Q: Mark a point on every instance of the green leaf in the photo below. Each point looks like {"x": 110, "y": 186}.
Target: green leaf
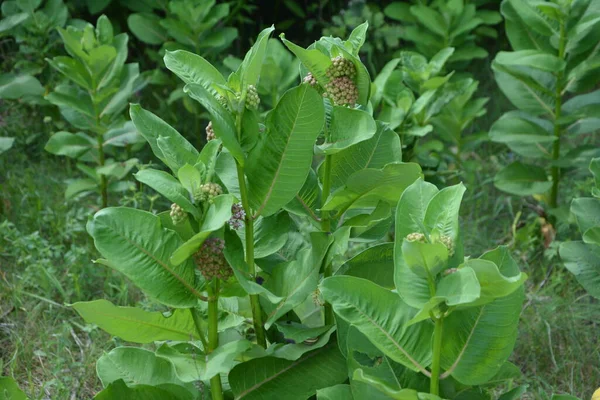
{"x": 165, "y": 184}
{"x": 412, "y": 206}
{"x": 73, "y": 145}
{"x": 190, "y": 178}
{"x": 118, "y": 101}
{"x": 442, "y": 211}
{"x": 386, "y": 184}
{"x": 275, "y": 378}
{"x": 532, "y": 17}
{"x": 587, "y": 212}
{"x": 137, "y": 366}
{"x": 375, "y": 264}
{"x": 216, "y": 217}
{"x": 10, "y": 390}
{"x": 381, "y": 316}
{"x": 135, "y": 243}
{"x": 383, "y": 148}
{"x": 152, "y": 128}
{"x": 119, "y": 390}
{"x": 525, "y": 135}
{"x": 279, "y": 164}
{"x": 222, "y": 121}
{"x": 193, "y": 69}
{"x": 357, "y": 38}
{"x": 295, "y": 280}
{"x": 347, "y": 127}
{"x": 136, "y": 325}
{"x": 77, "y": 186}
{"x": 146, "y": 27}
{"x": 531, "y": 58}
{"x": 14, "y": 87}
{"x": 6, "y": 143}
{"x": 483, "y": 337}
{"x": 73, "y": 70}
{"x": 425, "y": 259}
{"x": 190, "y": 366}
{"x": 583, "y": 261}
{"x": 315, "y": 61}
{"x": 11, "y": 21}
{"x": 390, "y": 393}
{"x": 522, "y": 180}
{"x": 337, "y": 392}
{"x": 252, "y": 64}
{"x": 493, "y": 283}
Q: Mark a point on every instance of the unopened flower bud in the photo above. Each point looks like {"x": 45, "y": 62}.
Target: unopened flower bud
{"x": 449, "y": 243}
{"x": 310, "y": 79}
{"x": 177, "y": 214}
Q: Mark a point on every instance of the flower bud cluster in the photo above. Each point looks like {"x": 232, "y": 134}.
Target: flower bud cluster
{"x": 341, "y": 66}
{"x": 238, "y": 215}
{"x": 252, "y": 99}
{"x": 449, "y": 243}
{"x": 177, "y": 214}
{"x": 210, "y": 133}
{"x": 211, "y": 261}
{"x": 310, "y": 79}
{"x": 208, "y": 192}
{"x": 342, "y": 91}
{"x": 416, "y": 237}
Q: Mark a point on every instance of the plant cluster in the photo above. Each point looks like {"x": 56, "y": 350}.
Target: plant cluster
{"x": 92, "y": 99}
{"x": 547, "y": 77}
{"x": 258, "y": 311}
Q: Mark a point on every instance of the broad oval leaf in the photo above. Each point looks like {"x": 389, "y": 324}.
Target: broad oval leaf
{"x": 583, "y": 261}
{"x": 134, "y": 243}
{"x": 522, "y": 180}
{"x": 279, "y": 164}
{"x": 381, "y": 316}
{"x": 271, "y": 378}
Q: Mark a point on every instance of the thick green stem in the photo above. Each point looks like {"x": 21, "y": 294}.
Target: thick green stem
{"x": 103, "y": 184}
{"x": 249, "y": 224}
{"x": 326, "y": 227}
{"x": 216, "y": 388}
{"x": 557, "y": 114}
{"x": 434, "y": 387}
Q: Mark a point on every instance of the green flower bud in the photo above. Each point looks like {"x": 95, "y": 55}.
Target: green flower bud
{"x": 208, "y": 192}
{"x": 340, "y": 67}
{"x": 416, "y": 237}
{"x": 252, "y": 99}
{"x": 177, "y": 214}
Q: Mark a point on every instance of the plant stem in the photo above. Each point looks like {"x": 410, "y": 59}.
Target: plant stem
{"x": 198, "y": 326}
{"x": 249, "y": 224}
{"x": 557, "y": 115}
{"x": 216, "y": 388}
{"x": 103, "y": 185}
{"x": 326, "y": 227}
{"x": 434, "y": 387}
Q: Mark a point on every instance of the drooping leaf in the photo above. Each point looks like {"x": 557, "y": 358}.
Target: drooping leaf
{"x": 381, "y": 316}
{"x": 275, "y": 378}
{"x": 136, "y": 325}
{"x": 583, "y": 261}
{"x": 135, "y": 243}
